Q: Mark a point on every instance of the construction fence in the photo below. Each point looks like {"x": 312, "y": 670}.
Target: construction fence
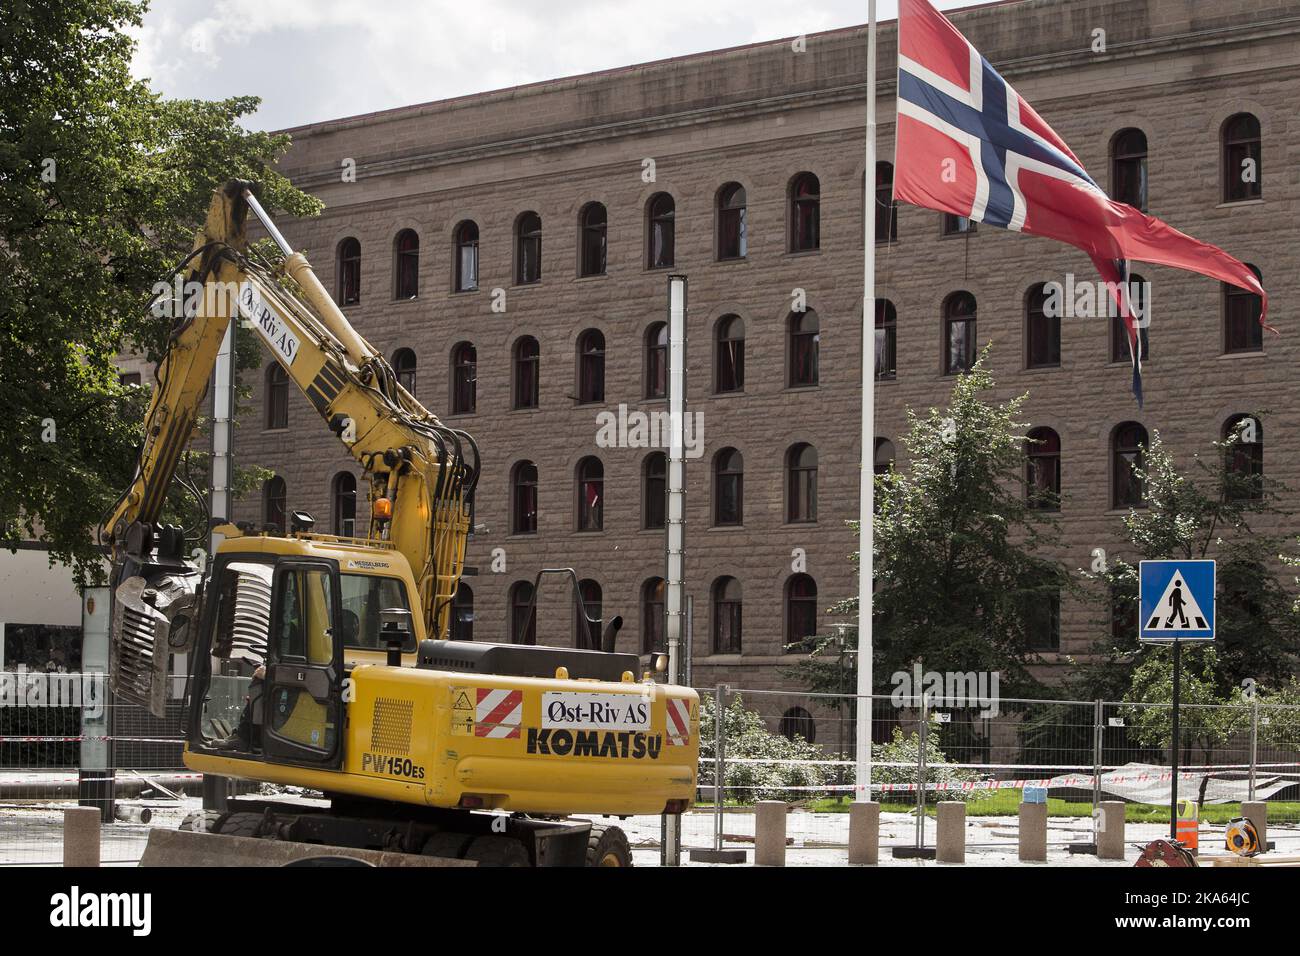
{"x": 768, "y": 745}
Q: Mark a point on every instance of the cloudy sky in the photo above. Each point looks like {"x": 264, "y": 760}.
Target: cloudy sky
{"x": 320, "y": 59}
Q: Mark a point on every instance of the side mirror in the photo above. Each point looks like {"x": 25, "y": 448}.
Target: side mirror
{"x": 661, "y": 663}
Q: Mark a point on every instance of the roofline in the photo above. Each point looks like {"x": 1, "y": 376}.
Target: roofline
{"x": 321, "y": 125}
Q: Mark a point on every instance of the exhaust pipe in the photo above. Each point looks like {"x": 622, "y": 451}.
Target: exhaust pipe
{"x": 611, "y": 632}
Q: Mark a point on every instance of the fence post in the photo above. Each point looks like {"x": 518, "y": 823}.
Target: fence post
{"x": 719, "y": 762}
{"x": 1257, "y": 813}
{"x": 921, "y": 740}
{"x": 81, "y": 836}
{"x": 1254, "y": 742}
{"x": 864, "y": 833}
{"x": 1098, "y": 716}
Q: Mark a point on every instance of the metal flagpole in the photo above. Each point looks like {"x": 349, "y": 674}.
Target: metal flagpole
{"x": 862, "y": 780}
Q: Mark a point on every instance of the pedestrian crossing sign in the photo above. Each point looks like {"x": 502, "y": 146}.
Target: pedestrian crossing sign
{"x": 1176, "y": 600}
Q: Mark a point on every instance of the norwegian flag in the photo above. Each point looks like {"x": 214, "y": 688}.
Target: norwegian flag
{"x": 967, "y": 143}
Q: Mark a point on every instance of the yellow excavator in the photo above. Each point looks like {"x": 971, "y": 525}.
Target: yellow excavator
{"x": 322, "y": 662}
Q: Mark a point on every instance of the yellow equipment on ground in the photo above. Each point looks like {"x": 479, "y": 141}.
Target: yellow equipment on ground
{"x": 321, "y": 661}
{"x": 1241, "y": 837}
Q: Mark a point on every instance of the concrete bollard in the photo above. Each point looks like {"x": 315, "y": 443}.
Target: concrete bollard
{"x": 1257, "y": 813}
{"x": 1033, "y": 832}
{"x": 864, "y": 833}
{"x": 81, "y": 836}
{"x": 769, "y": 833}
{"x": 1110, "y": 835}
{"x": 950, "y": 844}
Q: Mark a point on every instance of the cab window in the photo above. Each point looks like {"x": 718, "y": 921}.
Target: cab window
{"x": 364, "y": 596}
{"x": 302, "y": 623}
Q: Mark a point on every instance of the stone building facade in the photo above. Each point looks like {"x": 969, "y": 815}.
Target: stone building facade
{"x": 1182, "y": 72}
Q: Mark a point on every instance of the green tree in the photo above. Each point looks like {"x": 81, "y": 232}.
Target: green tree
{"x": 960, "y": 582}
{"x": 102, "y": 185}
{"x": 1206, "y": 513}
{"x": 1206, "y": 724}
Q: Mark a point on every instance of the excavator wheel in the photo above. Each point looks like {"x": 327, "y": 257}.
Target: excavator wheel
{"x": 497, "y": 851}
{"x": 448, "y": 845}
{"x": 608, "y": 846}
{"x": 240, "y": 824}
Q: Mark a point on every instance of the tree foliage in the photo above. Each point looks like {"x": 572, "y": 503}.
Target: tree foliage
{"x": 1208, "y": 511}
{"x": 103, "y": 184}
{"x": 960, "y": 581}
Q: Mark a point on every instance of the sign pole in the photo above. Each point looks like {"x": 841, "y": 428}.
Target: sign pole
{"x": 1173, "y": 784}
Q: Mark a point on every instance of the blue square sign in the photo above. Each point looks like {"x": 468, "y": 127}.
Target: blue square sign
{"x": 1176, "y": 600}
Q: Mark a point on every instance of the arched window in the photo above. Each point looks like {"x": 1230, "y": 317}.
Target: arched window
{"x": 662, "y": 211}
{"x": 800, "y": 611}
{"x": 885, "y": 456}
{"x": 1244, "y": 458}
{"x": 591, "y": 367}
{"x": 805, "y": 343}
{"x": 344, "y": 511}
{"x": 801, "y": 484}
{"x": 805, "y": 213}
{"x": 730, "y": 351}
{"x": 655, "y": 495}
{"x": 277, "y": 396}
{"x": 1241, "y": 310}
{"x": 593, "y": 223}
{"x": 523, "y": 498}
{"x": 733, "y": 238}
{"x": 1138, "y": 298}
{"x": 886, "y": 341}
{"x": 523, "y": 617}
{"x": 274, "y": 509}
{"x": 1043, "y": 622}
{"x": 726, "y": 616}
{"x": 591, "y": 494}
{"x": 467, "y": 256}
{"x": 462, "y": 613}
{"x": 886, "y": 206}
{"x": 1128, "y": 448}
{"x": 1042, "y": 331}
{"x": 349, "y": 271}
{"x": 797, "y": 722}
{"x": 528, "y": 248}
{"x": 527, "y": 385}
{"x": 959, "y": 333}
{"x": 586, "y": 633}
{"x": 728, "y": 487}
{"x": 1242, "y": 155}
{"x": 1128, "y": 168}
{"x": 1043, "y": 469}
{"x": 464, "y": 379}
{"x": 652, "y": 616}
{"x": 406, "y": 265}
{"x": 656, "y": 360}
{"x": 404, "y": 369}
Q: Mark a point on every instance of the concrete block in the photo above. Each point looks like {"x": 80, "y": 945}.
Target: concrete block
{"x": 81, "y": 836}
{"x": 769, "y": 833}
{"x": 1110, "y": 830}
{"x": 950, "y": 844}
{"x": 864, "y": 833}
{"x": 1033, "y": 832}
{"x": 1257, "y": 813}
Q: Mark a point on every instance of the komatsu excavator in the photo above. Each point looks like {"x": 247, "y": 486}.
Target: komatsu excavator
{"x": 321, "y": 662}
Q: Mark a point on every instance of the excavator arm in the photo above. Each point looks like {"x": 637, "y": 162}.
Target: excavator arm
{"x": 422, "y": 473}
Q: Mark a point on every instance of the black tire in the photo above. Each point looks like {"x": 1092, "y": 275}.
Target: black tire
{"x": 240, "y": 824}
{"x": 497, "y": 851}
{"x": 608, "y": 846}
{"x": 447, "y": 845}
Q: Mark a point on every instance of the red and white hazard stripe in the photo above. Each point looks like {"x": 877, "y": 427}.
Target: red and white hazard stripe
{"x": 498, "y": 713}
{"x": 679, "y": 722}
